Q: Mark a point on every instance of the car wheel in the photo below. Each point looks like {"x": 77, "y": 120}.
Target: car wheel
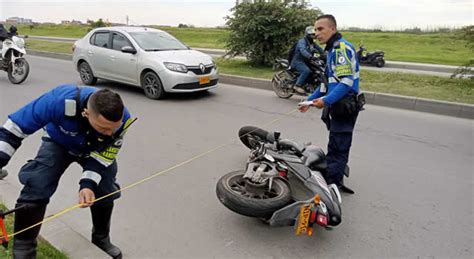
{"x": 152, "y": 86}
{"x": 86, "y": 74}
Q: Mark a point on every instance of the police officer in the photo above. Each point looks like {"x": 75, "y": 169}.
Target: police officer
{"x": 83, "y": 125}
{"x": 304, "y": 51}
{"x": 339, "y": 98}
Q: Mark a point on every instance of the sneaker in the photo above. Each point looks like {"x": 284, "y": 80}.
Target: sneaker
{"x": 299, "y": 89}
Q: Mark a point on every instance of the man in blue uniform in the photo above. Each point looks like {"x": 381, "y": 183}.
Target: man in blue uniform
{"x": 83, "y": 125}
{"x": 304, "y": 51}
{"x": 339, "y": 99}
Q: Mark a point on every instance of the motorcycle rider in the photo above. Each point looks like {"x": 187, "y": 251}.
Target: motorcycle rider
{"x": 304, "y": 51}
{"x": 339, "y": 100}
{"x": 83, "y": 125}
{"x": 3, "y": 34}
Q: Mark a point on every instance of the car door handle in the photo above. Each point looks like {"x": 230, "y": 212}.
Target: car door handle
{"x": 112, "y": 58}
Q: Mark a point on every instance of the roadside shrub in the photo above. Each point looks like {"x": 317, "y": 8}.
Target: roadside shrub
{"x": 262, "y": 31}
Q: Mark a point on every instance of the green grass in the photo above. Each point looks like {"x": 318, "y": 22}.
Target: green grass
{"x": 50, "y": 46}
{"x": 44, "y": 250}
{"x": 424, "y": 86}
{"x": 435, "y": 48}
{"x": 431, "y": 87}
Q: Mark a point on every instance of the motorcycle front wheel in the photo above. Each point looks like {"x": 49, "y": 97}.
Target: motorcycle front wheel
{"x": 18, "y": 71}
{"x": 280, "y": 88}
{"x": 251, "y": 199}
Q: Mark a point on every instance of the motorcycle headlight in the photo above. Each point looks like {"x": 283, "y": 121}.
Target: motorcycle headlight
{"x": 19, "y": 42}
{"x": 176, "y": 67}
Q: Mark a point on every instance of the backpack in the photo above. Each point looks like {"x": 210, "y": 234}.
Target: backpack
{"x": 291, "y": 52}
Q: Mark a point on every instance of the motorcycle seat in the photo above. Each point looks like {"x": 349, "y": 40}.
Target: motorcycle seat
{"x": 377, "y": 52}
{"x": 314, "y": 158}
{"x": 283, "y": 62}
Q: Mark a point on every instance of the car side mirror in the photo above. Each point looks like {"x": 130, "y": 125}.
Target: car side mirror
{"x": 128, "y": 49}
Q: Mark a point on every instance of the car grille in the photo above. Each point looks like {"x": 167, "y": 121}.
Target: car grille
{"x": 190, "y": 86}
{"x": 198, "y": 71}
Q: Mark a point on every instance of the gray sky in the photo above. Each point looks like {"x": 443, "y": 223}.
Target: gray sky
{"x": 384, "y": 14}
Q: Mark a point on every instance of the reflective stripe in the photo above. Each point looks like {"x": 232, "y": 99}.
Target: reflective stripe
{"x": 7, "y": 148}
{"x": 347, "y": 81}
{"x": 91, "y": 175}
{"x": 14, "y": 129}
{"x": 332, "y": 80}
{"x": 102, "y": 160}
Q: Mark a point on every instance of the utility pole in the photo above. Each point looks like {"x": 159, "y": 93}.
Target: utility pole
{"x": 127, "y": 19}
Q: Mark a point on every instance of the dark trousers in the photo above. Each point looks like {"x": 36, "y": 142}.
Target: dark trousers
{"x": 41, "y": 175}
{"x": 338, "y": 155}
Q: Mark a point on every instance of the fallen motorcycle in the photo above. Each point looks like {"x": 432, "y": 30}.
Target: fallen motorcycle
{"x": 283, "y": 183}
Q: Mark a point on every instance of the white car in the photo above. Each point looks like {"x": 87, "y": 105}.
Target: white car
{"x": 144, "y": 57}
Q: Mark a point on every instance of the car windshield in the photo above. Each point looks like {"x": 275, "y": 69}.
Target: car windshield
{"x": 157, "y": 41}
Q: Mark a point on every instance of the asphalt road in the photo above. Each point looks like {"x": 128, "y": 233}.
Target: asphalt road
{"x": 412, "y": 173}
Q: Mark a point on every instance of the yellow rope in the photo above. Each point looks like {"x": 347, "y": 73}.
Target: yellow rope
{"x": 143, "y": 180}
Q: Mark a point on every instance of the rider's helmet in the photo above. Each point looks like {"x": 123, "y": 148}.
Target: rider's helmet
{"x": 309, "y": 33}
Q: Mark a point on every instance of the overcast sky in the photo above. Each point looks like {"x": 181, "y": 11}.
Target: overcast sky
{"x": 384, "y": 14}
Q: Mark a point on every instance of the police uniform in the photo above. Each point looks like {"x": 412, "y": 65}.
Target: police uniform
{"x": 68, "y": 138}
{"x": 341, "y": 107}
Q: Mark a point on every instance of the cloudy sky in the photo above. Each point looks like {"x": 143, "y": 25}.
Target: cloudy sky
{"x": 385, "y": 14}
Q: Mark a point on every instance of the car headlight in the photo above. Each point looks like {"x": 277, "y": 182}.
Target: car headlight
{"x": 214, "y": 63}
{"x": 19, "y": 42}
{"x": 176, "y": 67}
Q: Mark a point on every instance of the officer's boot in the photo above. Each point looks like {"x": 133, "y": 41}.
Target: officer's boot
{"x": 24, "y": 243}
{"x": 101, "y": 216}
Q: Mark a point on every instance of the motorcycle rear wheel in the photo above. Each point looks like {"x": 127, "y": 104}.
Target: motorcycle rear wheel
{"x": 379, "y": 62}
{"x": 278, "y": 87}
{"x": 18, "y": 72}
{"x": 243, "y": 197}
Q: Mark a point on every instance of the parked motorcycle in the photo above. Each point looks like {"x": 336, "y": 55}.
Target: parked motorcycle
{"x": 283, "y": 183}
{"x": 285, "y": 78}
{"x": 375, "y": 58}
{"x": 12, "y": 57}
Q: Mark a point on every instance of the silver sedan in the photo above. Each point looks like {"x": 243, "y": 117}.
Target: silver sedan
{"x": 144, "y": 57}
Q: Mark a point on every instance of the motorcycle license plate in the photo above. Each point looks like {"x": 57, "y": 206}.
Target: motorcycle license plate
{"x": 204, "y": 80}
{"x": 303, "y": 219}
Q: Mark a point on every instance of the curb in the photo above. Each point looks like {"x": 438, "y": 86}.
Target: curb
{"x": 389, "y": 100}
{"x": 57, "y": 233}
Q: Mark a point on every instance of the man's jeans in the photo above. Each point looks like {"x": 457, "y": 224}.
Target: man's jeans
{"x": 304, "y": 72}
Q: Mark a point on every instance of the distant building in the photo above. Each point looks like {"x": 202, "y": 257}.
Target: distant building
{"x": 18, "y": 20}
{"x": 73, "y": 22}
{"x": 237, "y": 2}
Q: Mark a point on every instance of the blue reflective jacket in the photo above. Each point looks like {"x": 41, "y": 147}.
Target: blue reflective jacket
{"x": 342, "y": 70}
{"x": 50, "y": 112}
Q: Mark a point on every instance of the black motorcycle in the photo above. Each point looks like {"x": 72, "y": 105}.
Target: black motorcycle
{"x": 284, "y": 79}
{"x": 283, "y": 183}
{"x": 375, "y": 58}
